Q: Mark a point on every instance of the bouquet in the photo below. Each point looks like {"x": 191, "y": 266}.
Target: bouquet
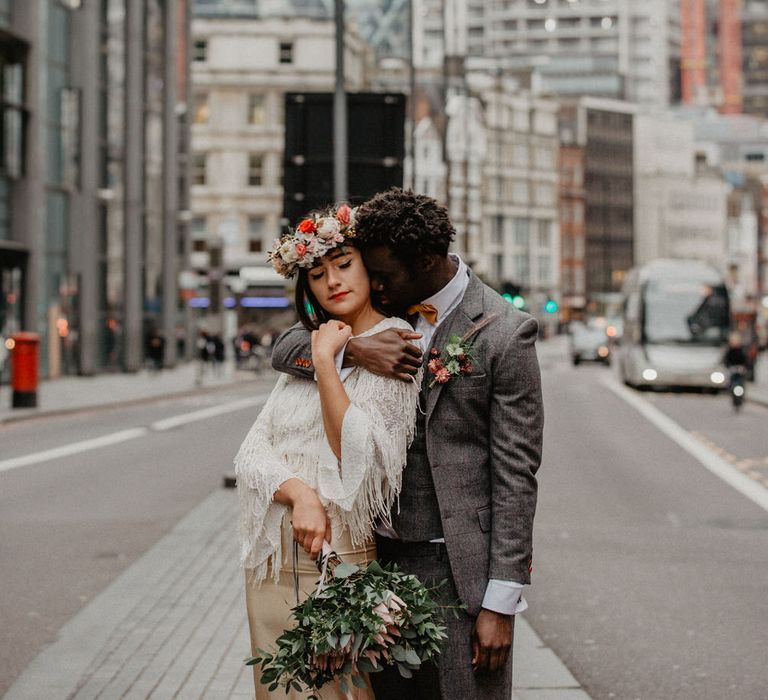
{"x": 358, "y": 620}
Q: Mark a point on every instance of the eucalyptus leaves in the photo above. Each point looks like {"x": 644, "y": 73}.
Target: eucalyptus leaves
{"x": 358, "y": 621}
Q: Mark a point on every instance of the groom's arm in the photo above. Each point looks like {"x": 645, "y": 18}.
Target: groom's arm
{"x": 389, "y": 353}
{"x": 516, "y": 427}
{"x": 292, "y": 353}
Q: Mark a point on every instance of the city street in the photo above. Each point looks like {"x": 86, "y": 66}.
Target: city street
{"x": 650, "y": 571}
{"x": 71, "y": 525}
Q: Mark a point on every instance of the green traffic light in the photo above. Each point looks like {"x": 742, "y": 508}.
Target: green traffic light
{"x": 507, "y": 297}
{"x": 551, "y": 306}
{"x": 518, "y": 302}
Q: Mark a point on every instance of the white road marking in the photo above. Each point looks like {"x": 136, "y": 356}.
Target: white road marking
{"x": 130, "y": 434}
{"x": 184, "y": 418}
{"x": 72, "y": 449}
{"x": 717, "y": 465}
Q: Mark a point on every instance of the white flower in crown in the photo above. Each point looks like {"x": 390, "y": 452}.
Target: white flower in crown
{"x": 287, "y": 251}
{"x": 329, "y": 228}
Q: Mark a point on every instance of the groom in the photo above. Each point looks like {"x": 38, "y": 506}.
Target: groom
{"x": 469, "y": 488}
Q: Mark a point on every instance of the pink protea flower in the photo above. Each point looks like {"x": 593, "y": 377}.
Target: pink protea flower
{"x": 342, "y": 214}
{"x": 442, "y": 375}
{"x": 434, "y": 366}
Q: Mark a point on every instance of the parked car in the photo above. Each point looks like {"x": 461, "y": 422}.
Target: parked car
{"x": 589, "y": 344}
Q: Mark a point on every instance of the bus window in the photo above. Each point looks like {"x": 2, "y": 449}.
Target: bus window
{"x": 685, "y": 312}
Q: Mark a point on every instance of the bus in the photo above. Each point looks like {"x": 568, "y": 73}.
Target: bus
{"x": 676, "y": 322}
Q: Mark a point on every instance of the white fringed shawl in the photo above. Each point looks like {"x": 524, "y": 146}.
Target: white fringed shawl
{"x": 288, "y": 441}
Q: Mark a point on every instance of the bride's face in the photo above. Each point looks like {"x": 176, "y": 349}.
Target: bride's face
{"x": 340, "y": 282}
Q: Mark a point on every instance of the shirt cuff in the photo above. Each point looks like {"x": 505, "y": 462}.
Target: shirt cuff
{"x": 504, "y": 597}
{"x": 344, "y": 372}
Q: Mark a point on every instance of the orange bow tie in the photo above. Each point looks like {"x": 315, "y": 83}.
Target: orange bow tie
{"x": 428, "y": 311}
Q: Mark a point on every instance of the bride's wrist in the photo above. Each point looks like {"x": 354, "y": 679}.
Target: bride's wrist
{"x": 324, "y": 362}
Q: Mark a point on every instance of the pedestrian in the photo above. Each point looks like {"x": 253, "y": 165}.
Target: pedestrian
{"x": 466, "y": 508}
{"x": 324, "y": 459}
{"x": 735, "y": 355}
{"x": 217, "y": 354}
{"x": 156, "y": 350}
{"x": 204, "y": 354}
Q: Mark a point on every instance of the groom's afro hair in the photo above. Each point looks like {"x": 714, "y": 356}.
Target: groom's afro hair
{"x": 412, "y": 225}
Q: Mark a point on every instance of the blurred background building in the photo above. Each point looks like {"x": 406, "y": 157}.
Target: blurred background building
{"x": 93, "y": 177}
{"x": 146, "y": 168}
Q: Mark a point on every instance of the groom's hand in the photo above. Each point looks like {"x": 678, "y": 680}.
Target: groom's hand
{"x": 491, "y": 641}
{"x": 389, "y": 353}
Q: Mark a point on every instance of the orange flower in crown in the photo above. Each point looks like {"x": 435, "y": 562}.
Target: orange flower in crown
{"x": 313, "y": 238}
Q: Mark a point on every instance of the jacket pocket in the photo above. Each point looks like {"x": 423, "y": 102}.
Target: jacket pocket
{"x": 484, "y": 516}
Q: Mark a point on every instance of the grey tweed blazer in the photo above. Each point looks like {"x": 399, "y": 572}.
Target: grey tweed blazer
{"x": 484, "y": 440}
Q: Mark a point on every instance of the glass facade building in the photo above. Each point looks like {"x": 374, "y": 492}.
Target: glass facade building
{"x": 92, "y": 177}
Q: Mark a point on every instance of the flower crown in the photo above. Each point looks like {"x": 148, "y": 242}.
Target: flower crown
{"x": 313, "y": 238}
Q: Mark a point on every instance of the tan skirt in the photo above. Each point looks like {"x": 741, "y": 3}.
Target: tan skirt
{"x": 270, "y": 605}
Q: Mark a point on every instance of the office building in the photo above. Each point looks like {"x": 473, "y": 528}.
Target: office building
{"x": 92, "y": 178}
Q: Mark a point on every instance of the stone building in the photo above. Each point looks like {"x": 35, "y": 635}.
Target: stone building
{"x": 92, "y": 178}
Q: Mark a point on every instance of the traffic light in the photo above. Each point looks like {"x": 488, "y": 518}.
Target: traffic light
{"x": 511, "y": 293}
{"x": 551, "y": 306}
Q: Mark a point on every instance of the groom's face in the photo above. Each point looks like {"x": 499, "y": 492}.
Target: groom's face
{"x": 393, "y": 286}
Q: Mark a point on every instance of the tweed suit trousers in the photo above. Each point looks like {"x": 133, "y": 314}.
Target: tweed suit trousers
{"x": 452, "y": 677}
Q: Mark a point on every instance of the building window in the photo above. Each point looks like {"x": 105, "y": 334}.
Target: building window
{"x": 201, "y": 109}
{"x": 200, "y": 51}
{"x": 520, "y": 192}
{"x": 199, "y": 161}
{"x": 522, "y": 227}
{"x": 255, "y": 170}
{"x": 498, "y": 267}
{"x": 544, "y": 237}
{"x": 14, "y": 117}
{"x": 521, "y": 269}
{"x": 257, "y": 114}
{"x": 256, "y": 234}
{"x": 199, "y": 234}
{"x": 70, "y": 137}
{"x": 498, "y": 230}
{"x": 286, "y": 52}
{"x": 544, "y": 270}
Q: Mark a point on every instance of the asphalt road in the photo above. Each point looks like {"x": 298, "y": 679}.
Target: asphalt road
{"x": 650, "y": 573}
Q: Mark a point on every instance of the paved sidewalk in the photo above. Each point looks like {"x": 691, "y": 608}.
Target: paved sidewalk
{"x": 68, "y": 394}
{"x": 173, "y": 625}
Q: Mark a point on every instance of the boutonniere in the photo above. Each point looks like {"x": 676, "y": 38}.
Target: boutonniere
{"x": 458, "y": 356}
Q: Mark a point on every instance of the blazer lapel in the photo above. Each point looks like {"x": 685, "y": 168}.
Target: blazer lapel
{"x": 458, "y": 322}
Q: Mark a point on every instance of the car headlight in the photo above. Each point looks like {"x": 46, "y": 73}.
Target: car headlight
{"x": 650, "y": 374}
{"x": 738, "y": 390}
{"x": 717, "y": 377}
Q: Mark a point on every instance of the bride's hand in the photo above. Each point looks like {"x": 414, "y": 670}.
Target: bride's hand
{"x": 310, "y": 523}
{"x": 329, "y": 339}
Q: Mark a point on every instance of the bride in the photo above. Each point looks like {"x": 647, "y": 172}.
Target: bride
{"x": 324, "y": 459}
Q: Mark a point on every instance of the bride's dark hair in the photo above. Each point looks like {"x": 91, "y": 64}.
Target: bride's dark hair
{"x": 308, "y": 309}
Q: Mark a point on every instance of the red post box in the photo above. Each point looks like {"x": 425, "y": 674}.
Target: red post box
{"x": 25, "y": 360}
